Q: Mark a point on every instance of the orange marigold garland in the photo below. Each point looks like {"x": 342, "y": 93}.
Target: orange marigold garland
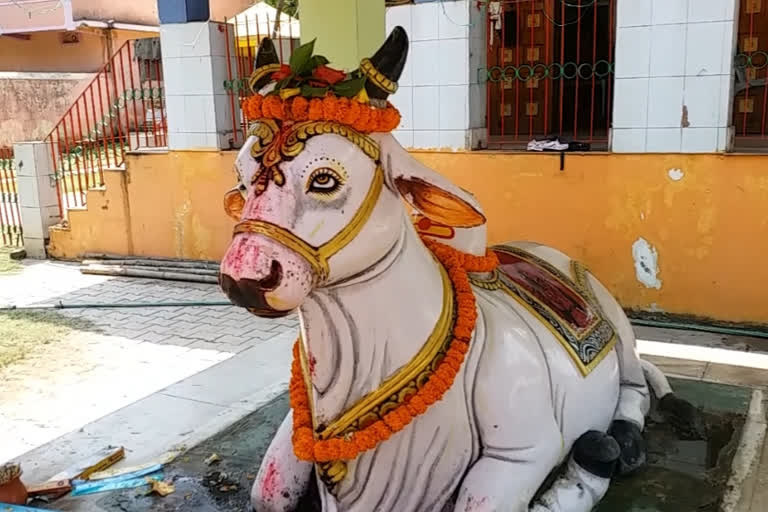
{"x": 307, "y": 448}
{"x": 350, "y": 112}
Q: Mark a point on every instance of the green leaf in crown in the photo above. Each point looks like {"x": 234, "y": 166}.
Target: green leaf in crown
{"x": 310, "y": 76}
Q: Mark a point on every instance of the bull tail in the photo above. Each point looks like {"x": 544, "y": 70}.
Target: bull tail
{"x": 656, "y": 379}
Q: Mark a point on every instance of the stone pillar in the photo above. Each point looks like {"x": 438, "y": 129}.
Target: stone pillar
{"x": 674, "y": 76}
{"x": 200, "y": 112}
{"x": 38, "y": 198}
{"x": 346, "y": 30}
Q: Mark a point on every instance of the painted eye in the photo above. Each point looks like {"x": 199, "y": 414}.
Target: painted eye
{"x": 324, "y": 181}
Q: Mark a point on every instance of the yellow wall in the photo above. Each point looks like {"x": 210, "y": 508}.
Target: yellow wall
{"x": 710, "y": 228}
{"x": 164, "y": 205}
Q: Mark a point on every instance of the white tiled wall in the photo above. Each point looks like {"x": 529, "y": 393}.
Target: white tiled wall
{"x": 38, "y": 199}
{"x": 673, "y": 75}
{"x": 439, "y": 99}
{"x": 195, "y": 65}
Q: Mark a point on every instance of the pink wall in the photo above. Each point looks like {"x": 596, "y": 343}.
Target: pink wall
{"x": 23, "y": 15}
{"x": 140, "y": 12}
{"x": 36, "y": 87}
{"x": 26, "y": 16}
{"x": 29, "y": 108}
{"x": 144, "y": 12}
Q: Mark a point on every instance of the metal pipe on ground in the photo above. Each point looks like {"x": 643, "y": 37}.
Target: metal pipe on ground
{"x": 107, "y": 270}
{"x": 100, "y": 269}
{"x": 150, "y": 262}
{"x": 109, "y": 256}
{"x": 119, "y": 305}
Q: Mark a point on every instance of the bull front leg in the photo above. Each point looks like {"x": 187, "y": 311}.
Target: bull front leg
{"x": 518, "y": 454}
{"x": 282, "y": 479}
{"x": 507, "y": 480}
{"x": 586, "y": 477}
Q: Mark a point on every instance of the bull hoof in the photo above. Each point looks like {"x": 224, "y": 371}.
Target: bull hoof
{"x": 597, "y": 452}
{"x": 684, "y": 418}
{"x": 633, "y": 448}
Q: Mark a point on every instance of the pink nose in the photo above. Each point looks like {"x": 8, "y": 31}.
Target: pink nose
{"x": 249, "y": 293}
{"x": 247, "y": 273}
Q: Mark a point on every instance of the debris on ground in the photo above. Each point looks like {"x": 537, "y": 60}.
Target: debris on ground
{"x": 160, "y": 487}
{"x": 169, "y": 457}
{"x": 129, "y": 481}
{"x": 93, "y": 476}
{"x": 12, "y": 490}
{"x": 53, "y": 488}
{"x": 4, "y": 507}
{"x": 212, "y": 459}
{"x": 219, "y": 482}
{"x": 17, "y": 254}
{"x": 99, "y": 461}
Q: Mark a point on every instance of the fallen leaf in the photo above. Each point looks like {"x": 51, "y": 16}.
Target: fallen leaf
{"x": 160, "y": 487}
{"x": 212, "y": 459}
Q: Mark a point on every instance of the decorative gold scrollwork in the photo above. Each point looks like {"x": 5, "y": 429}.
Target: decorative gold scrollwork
{"x": 274, "y": 145}
{"x": 264, "y": 130}
{"x": 299, "y": 133}
{"x": 491, "y": 283}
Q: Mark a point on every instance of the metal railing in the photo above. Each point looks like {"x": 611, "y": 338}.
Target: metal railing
{"x": 248, "y": 30}
{"x": 11, "y": 231}
{"x": 750, "y": 94}
{"x": 122, "y": 109}
{"x": 550, "y": 70}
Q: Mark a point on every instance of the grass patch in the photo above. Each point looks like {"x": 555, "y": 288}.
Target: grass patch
{"x": 7, "y": 265}
{"x": 24, "y": 332}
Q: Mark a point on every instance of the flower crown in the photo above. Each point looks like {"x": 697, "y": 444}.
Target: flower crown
{"x": 308, "y": 89}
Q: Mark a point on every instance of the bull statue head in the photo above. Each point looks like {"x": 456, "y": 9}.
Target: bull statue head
{"x": 321, "y": 180}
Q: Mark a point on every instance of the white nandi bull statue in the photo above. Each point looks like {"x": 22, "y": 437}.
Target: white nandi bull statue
{"x": 396, "y": 405}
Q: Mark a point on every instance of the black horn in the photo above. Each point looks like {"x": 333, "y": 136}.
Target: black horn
{"x": 267, "y": 62}
{"x": 267, "y": 54}
{"x": 388, "y": 61}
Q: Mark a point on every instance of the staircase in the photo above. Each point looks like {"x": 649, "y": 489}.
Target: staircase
{"x": 121, "y": 110}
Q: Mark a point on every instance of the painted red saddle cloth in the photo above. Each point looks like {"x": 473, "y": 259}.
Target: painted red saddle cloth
{"x": 565, "y": 304}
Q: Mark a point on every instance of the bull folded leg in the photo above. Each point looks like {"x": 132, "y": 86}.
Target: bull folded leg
{"x": 586, "y": 477}
{"x": 507, "y": 480}
{"x": 512, "y": 468}
{"x": 282, "y": 479}
{"x": 634, "y": 395}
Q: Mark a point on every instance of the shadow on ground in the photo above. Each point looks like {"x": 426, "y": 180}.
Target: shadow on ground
{"x": 682, "y": 474}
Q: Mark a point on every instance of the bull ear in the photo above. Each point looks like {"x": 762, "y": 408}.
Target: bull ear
{"x": 428, "y": 192}
{"x": 234, "y": 203}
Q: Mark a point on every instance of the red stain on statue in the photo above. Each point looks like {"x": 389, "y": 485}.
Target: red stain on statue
{"x": 271, "y": 483}
{"x": 312, "y": 364}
